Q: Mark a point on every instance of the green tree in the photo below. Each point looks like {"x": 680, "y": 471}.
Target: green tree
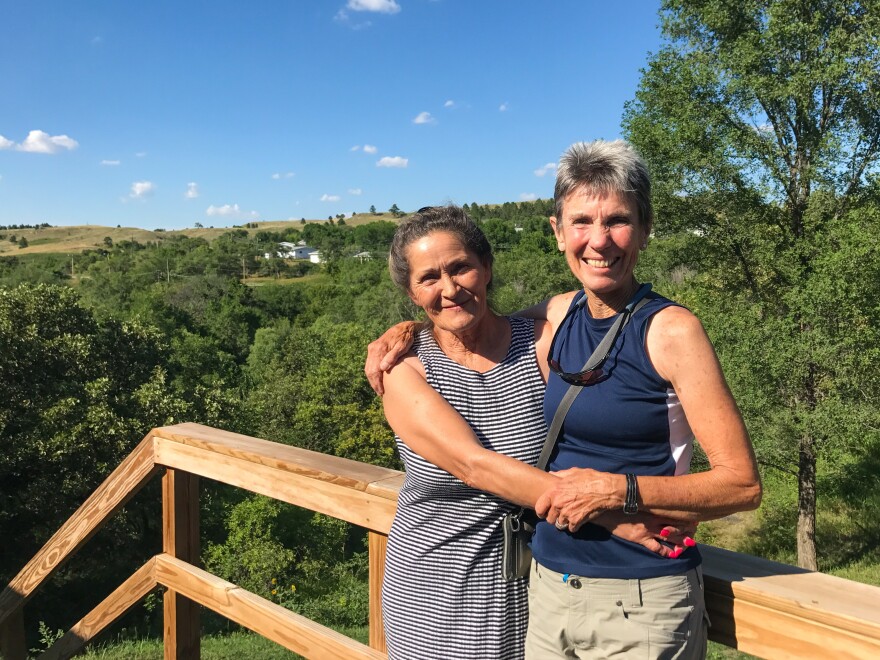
{"x": 76, "y": 395}
{"x": 394, "y": 210}
{"x": 373, "y": 209}
{"x": 761, "y": 122}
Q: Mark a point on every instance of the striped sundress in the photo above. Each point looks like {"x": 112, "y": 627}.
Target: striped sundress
{"x": 443, "y": 596}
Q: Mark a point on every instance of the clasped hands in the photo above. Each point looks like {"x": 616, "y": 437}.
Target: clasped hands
{"x": 582, "y": 495}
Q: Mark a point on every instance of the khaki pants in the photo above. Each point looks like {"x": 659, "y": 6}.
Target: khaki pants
{"x": 594, "y": 618}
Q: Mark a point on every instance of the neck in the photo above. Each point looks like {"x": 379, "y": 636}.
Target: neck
{"x": 602, "y": 306}
{"x": 483, "y": 342}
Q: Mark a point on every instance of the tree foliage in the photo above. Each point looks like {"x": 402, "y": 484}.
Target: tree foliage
{"x": 761, "y": 123}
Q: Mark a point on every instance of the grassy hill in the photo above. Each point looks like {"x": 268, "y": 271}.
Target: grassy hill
{"x": 66, "y": 240}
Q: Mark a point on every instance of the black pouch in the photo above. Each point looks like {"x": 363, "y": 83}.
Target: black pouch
{"x": 516, "y": 557}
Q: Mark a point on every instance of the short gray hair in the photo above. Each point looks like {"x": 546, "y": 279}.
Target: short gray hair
{"x": 450, "y": 219}
{"x": 603, "y": 167}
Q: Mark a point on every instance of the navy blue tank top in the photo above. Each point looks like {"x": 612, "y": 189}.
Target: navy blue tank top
{"x": 630, "y": 421}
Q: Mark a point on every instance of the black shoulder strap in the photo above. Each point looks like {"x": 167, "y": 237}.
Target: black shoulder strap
{"x": 638, "y": 301}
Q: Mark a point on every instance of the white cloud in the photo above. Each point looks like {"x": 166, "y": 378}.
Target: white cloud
{"x": 379, "y": 6}
{"x": 545, "y": 169}
{"x": 503, "y": 107}
{"x": 527, "y": 197}
{"x": 330, "y": 198}
{"x": 283, "y": 175}
{"x": 192, "y": 190}
{"x": 449, "y": 104}
{"x": 6, "y": 144}
{"x": 142, "y": 189}
{"x": 226, "y": 209}
{"x": 368, "y": 148}
{"x": 424, "y": 118}
{"x": 110, "y": 163}
{"x": 40, "y": 142}
{"x": 230, "y": 210}
{"x": 141, "y": 154}
{"x": 343, "y": 17}
{"x": 392, "y": 161}
{"x": 355, "y": 191}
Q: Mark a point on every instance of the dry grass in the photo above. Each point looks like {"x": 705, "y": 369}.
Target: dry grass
{"x": 79, "y": 238}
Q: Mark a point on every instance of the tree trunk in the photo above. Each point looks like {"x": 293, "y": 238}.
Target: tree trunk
{"x": 806, "y": 528}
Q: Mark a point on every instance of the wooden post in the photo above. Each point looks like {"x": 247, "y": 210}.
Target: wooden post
{"x": 12, "y": 643}
{"x": 377, "y": 545}
{"x": 180, "y": 539}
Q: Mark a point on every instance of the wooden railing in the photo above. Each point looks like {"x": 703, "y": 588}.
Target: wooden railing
{"x": 764, "y": 608}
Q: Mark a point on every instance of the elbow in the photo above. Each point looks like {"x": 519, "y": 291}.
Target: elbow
{"x": 754, "y": 492}
{"x": 748, "y": 494}
{"x": 473, "y": 471}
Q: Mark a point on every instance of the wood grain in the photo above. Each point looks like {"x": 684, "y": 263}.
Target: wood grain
{"x": 126, "y": 480}
{"x": 268, "y": 619}
{"x": 180, "y": 539}
{"x": 128, "y": 594}
{"x": 327, "y": 496}
{"x": 377, "y": 545}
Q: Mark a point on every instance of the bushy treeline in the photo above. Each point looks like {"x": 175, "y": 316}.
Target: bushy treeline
{"x": 42, "y": 225}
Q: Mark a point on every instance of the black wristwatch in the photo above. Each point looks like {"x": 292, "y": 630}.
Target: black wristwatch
{"x": 631, "y": 504}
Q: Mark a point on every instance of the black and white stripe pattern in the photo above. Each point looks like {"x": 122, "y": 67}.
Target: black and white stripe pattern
{"x": 443, "y": 596}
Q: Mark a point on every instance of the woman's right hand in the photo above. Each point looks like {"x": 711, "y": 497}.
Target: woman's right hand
{"x": 654, "y": 533}
{"x": 384, "y": 352}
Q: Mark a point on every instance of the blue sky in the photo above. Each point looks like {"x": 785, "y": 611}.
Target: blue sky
{"x": 164, "y": 114}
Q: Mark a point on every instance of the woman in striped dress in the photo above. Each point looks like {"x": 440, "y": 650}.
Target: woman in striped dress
{"x": 443, "y": 595}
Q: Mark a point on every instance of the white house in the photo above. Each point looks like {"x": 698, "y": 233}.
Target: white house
{"x": 293, "y": 251}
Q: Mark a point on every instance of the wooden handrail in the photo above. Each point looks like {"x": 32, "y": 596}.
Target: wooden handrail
{"x": 274, "y": 622}
{"x": 126, "y": 480}
{"x": 761, "y": 607}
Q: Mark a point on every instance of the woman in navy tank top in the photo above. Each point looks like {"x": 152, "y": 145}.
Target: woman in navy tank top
{"x": 626, "y": 442}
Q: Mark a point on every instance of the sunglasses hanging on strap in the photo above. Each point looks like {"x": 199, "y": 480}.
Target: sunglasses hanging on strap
{"x": 518, "y": 526}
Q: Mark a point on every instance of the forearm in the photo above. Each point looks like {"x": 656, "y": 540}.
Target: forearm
{"x": 702, "y": 496}
{"x": 693, "y": 497}
{"x": 505, "y": 477}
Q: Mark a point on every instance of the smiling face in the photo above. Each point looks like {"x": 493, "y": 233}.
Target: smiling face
{"x": 601, "y": 236}
{"x": 448, "y": 281}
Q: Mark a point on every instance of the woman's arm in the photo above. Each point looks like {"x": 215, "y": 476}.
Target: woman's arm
{"x": 384, "y": 352}
{"x": 681, "y": 353}
{"x": 435, "y": 431}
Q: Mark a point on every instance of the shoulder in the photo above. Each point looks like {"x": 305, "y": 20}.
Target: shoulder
{"x": 674, "y": 338}
{"x": 557, "y": 308}
{"x": 408, "y": 367}
{"x": 673, "y": 323}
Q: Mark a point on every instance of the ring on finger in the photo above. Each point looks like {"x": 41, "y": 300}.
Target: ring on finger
{"x": 560, "y": 525}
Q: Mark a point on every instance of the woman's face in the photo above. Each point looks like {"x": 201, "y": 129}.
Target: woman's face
{"x": 601, "y": 236}
{"x": 448, "y": 281}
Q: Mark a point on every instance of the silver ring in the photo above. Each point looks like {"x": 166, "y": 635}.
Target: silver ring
{"x": 560, "y": 525}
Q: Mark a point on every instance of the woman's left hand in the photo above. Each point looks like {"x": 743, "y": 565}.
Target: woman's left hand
{"x": 580, "y": 494}
{"x": 663, "y": 537}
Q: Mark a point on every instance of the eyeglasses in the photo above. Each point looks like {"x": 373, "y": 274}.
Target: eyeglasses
{"x": 592, "y": 372}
